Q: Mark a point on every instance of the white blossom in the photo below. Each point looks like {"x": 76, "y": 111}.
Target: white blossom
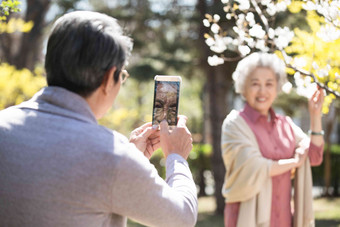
{"x": 307, "y": 80}
{"x": 257, "y": 31}
{"x": 250, "y": 42}
{"x": 228, "y": 16}
{"x": 315, "y": 65}
{"x": 265, "y": 2}
{"x": 250, "y": 18}
{"x": 287, "y": 87}
{"x": 243, "y": 4}
{"x": 328, "y": 33}
{"x": 228, "y": 40}
{"x": 324, "y": 72}
{"x": 210, "y": 41}
{"x": 271, "y": 33}
{"x": 329, "y": 10}
{"x": 284, "y": 36}
{"x": 307, "y": 90}
{"x": 215, "y": 60}
{"x": 219, "y": 45}
{"x": 240, "y": 20}
{"x": 297, "y": 78}
{"x": 215, "y": 28}
{"x": 240, "y": 32}
{"x": 225, "y": 1}
{"x": 335, "y": 4}
{"x": 333, "y": 12}
{"x": 235, "y": 42}
{"x": 322, "y": 9}
{"x": 216, "y": 18}
{"x": 282, "y": 6}
{"x": 304, "y": 87}
{"x": 288, "y": 59}
{"x": 337, "y": 76}
{"x": 271, "y": 9}
{"x": 300, "y": 62}
{"x": 309, "y": 5}
{"x": 206, "y": 23}
{"x": 218, "y": 48}
{"x": 261, "y": 45}
{"x": 244, "y": 50}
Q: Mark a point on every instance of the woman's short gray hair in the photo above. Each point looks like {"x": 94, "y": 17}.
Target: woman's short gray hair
{"x": 259, "y": 60}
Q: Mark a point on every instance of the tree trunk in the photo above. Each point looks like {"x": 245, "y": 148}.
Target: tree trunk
{"x": 337, "y": 161}
{"x": 330, "y": 119}
{"x": 31, "y": 43}
{"x": 218, "y": 87}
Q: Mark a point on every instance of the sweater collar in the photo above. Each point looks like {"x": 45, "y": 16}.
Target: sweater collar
{"x": 254, "y": 115}
{"x": 59, "y": 101}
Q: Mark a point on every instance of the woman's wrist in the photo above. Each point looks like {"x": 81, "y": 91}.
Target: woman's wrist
{"x": 316, "y": 133}
{"x": 315, "y": 125}
{"x": 315, "y": 117}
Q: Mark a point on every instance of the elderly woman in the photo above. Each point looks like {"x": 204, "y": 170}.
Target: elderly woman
{"x": 261, "y": 150}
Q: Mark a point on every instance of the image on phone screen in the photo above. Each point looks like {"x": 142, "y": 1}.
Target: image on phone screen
{"x": 165, "y": 105}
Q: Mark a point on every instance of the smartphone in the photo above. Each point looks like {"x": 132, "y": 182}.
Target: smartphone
{"x": 166, "y": 99}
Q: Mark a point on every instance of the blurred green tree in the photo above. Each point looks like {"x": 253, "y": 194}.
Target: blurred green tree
{"x": 165, "y": 42}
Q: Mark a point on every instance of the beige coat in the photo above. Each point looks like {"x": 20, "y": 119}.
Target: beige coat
{"x": 247, "y": 178}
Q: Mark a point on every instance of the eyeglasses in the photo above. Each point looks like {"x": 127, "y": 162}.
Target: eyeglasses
{"x": 125, "y": 75}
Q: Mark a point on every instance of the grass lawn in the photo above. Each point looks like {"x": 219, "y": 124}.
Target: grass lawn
{"x": 326, "y": 210}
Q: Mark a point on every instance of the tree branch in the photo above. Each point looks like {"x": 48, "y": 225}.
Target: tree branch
{"x": 237, "y": 58}
{"x": 259, "y": 12}
{"x": 306, "y": 73}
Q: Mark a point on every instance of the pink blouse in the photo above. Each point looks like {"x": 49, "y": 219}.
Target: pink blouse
{"x": 276, "y": 141}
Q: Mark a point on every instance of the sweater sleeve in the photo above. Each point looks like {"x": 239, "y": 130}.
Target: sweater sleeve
{"x": 142, "y": 195}
{"x": 315, "y": 154}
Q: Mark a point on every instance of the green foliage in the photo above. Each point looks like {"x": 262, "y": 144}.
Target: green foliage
{"x": 318, "y": 171}
{"x": 163, "y": 45}
{"x": 164, "y": 36}
{"x": 199, "y": 160}
{"x": 284, "y": 102}
{"x": 133, "y": 106}
{"x": 335, "y": 149}
{"x": 7, "y": 7}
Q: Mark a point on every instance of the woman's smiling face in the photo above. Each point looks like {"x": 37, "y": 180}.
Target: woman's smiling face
{"x": 260, "y": 89}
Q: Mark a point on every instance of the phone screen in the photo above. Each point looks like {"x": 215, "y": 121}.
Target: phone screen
{"x": 165, "y": 104}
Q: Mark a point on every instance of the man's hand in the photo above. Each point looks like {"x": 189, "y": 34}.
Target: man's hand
{"x": 177, "y": 141}
{"x": 146, "y": 139}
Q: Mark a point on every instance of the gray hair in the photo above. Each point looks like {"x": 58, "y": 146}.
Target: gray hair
{"x": 259, "y": 60}
{"x": 81, "y": 48}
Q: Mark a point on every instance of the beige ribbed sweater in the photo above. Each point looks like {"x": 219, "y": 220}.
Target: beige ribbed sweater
{"x": 247, "y": 178}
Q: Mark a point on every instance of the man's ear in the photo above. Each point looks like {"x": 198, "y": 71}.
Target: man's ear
{"x": 108, "y": 81}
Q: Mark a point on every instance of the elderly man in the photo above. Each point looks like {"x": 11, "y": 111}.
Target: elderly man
{"x": 58, "y": 167}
